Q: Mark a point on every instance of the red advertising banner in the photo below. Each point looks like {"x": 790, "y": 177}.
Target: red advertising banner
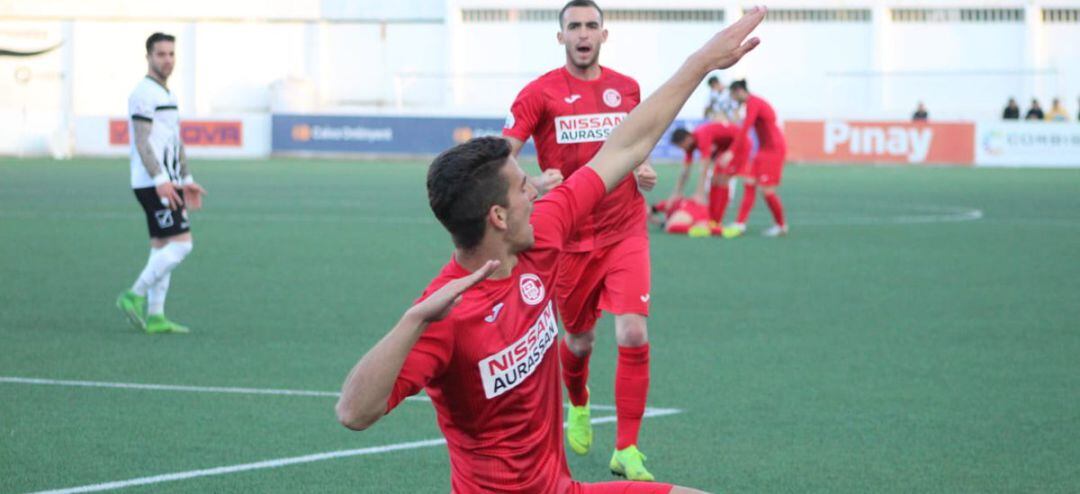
{"x": 201, "y": 133}
{"x": 844, "y": 141}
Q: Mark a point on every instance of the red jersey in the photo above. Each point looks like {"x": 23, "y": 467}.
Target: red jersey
{"x": 492, "y": 367}
{"x": 716, "y": 137}
{"x": 568, "y": 120}
{"x": 760, "y": 115}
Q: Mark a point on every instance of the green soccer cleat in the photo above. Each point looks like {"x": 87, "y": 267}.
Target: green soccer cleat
{"x": 133, "y": 307}
{"x": 579, "y": 429}
{"x": 157, "y": 324}
{"x": 629, "y": 463}
{"x": 735, "y": 230}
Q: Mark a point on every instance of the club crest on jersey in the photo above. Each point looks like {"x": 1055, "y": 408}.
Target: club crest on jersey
{"x": 612, "y": 98}
{"x": 506, "y": 369}
{"x": 509, "y": 124}
{"x": 595, "y": 127}
{"x": 532, "y": 290}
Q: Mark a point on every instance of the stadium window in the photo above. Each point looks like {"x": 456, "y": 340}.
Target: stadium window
{"x": 1061, "y": 16}
{"x": 818, "y": 15}
{"x": 623, "y": 15}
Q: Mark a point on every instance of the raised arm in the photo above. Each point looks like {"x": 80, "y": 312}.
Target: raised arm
{"x": 634, "y": 139}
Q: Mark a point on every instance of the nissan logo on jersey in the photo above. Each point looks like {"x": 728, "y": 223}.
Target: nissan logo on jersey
{"x": 506, "y": 369}
{"x": 596, "y": 127}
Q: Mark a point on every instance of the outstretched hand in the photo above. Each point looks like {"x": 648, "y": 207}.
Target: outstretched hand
{"x": 729, "y": 45}
{"x": 438, "y": 305}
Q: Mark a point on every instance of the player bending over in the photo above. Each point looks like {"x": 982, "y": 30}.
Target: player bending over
{"x": 712, "y": 140}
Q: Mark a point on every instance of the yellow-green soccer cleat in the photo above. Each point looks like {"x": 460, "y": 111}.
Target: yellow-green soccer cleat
{"x": 157, "y": 324}
{"x": 579, "y": 429}
{"x": 630, "y": 463}
{"x": 133, "y": 307}
{"x": 735, "y": 230}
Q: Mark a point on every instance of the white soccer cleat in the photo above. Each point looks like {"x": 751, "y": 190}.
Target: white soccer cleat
{"x": 775, "y": 231}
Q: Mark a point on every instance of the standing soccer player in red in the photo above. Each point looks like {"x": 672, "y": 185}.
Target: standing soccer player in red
{"x": 569, "y": 113}
{"x": 711, "y": 140}
{"x": 480, "y": 339}
{"x": 768, "y": 164}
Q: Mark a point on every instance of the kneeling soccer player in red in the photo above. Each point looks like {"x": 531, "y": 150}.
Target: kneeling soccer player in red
{"x": 480, "y": 339}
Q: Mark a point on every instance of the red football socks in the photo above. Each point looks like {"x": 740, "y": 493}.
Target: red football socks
{"x": 749, "y": 194}
{"x": 718, "y": 201}
{"x": 631, "y": 390}
{"x": 575, "y": 373}
{"x": 776, "y": 207}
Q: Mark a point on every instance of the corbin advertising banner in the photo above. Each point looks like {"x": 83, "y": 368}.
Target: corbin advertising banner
{"x": 844, "y": 141}
{"x": 1028, "y": 144}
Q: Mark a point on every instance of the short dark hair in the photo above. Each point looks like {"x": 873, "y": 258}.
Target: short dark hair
{"x": 714, "y": 80}
{"x": 156, "y": 37}
{"x": 679, "y": 135}
{"x": 740, "y": 84}
{"x": 580, "y": 3}
{"x": 464, "y": 182}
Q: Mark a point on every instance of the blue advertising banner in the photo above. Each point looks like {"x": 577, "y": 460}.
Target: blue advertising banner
{"x": 383, "y": 135}
{"x": 404, "y": 135}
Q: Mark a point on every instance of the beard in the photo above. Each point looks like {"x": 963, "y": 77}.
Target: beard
{"x": 588, "y": 63}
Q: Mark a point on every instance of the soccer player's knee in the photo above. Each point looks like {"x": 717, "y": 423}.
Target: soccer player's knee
{"x": 632, "y": 331}
{"x": 580, "y": 343}
{"x": 184, "y": 248}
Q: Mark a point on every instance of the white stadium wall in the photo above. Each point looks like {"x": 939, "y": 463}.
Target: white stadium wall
{"x": 822, "y": 59}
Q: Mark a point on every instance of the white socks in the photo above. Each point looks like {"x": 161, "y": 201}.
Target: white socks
{"x": 155, "y": 298}
{"x": 153, "y": 282}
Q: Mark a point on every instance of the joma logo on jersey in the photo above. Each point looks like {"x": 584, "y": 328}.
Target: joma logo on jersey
{"x": 509, "y": 367}
{"x": 573, "y": 129}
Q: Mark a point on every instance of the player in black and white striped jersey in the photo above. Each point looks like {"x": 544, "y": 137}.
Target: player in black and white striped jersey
{"x": 163, "y": 185}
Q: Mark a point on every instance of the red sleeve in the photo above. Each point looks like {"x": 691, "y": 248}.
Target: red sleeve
{"x": 525, "y": 114}
{"x": 689, "y": 158}
{"x": 426, "y": 361}
{"x": 558, "y": 213}
{"x": 752, "y": 109}
{"x": 704, "y": 144}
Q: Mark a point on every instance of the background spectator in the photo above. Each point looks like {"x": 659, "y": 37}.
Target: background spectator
{"x": 1035, "y": 113}
{"x": 920, "y": 113}
{"x": 1057, "y": 112}
{"x": 1012, "y": 110}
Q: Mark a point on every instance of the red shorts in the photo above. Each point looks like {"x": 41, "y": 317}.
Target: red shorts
{"x": 768, "y": 166}
{"x": 614, "y": 278}
{"x": 620, "y": 488}
{"x": 736, "y": 167}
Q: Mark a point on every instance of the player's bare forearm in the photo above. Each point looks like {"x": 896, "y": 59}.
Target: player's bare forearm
{"x": 680, "y": 184}
{"x": 368, "y": 386}
{"x": 634, "y": 139}
{"x": 700, "y": 190}
{"x": 142, "y": 145}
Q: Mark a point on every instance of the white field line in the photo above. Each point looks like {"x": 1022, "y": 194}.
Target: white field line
{"x": 235, "y": 390}
{"x": 276, "y": 463}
